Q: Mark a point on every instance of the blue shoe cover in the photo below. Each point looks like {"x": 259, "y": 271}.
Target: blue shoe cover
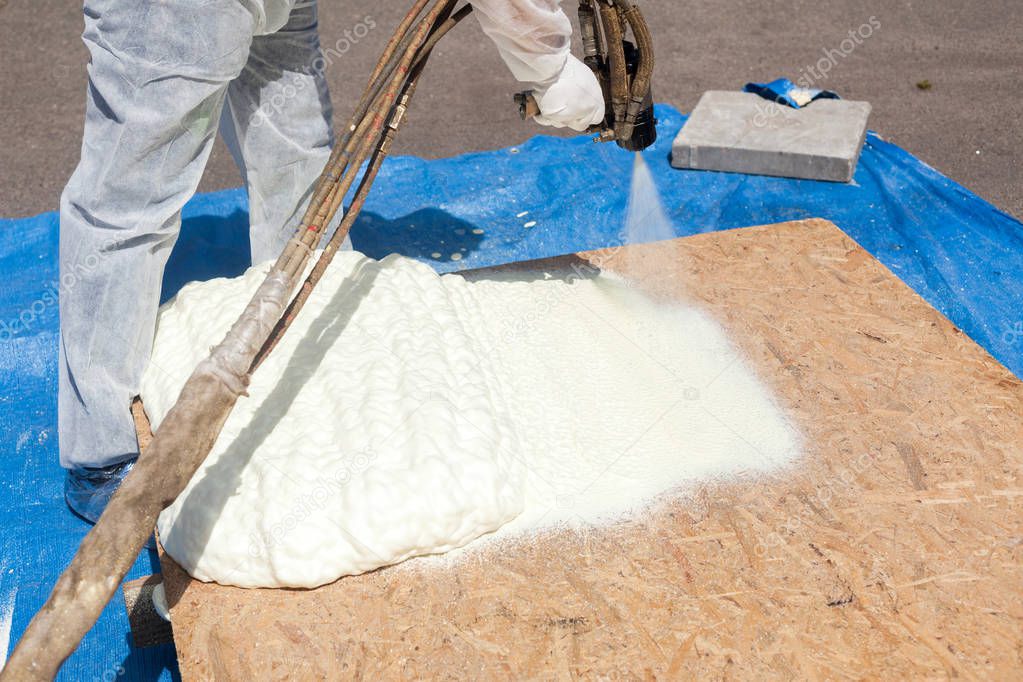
{"x": 87, "y": 490}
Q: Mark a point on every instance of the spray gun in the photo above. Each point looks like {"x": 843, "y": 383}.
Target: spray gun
{"x": 623, "y": 69}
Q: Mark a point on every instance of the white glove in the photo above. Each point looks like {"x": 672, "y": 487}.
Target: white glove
{"x": 534, "y": 39}
{"x": 574, "y": 100}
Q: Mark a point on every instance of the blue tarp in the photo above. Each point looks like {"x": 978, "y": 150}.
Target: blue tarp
{"x": 546, "y": 197}
{"x": 784, "y": 91}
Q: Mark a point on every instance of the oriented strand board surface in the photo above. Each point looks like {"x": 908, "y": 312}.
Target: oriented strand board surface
{"x": 894, "y": 549}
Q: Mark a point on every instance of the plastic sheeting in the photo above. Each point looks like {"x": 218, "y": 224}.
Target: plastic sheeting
{"x": 546, "y": 197}
{"x": 784, "y": 91}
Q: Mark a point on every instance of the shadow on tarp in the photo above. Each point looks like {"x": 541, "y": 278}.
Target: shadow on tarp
{"x": 428, "y": 234}
{"x": 149, "y": 664}
{"x": 208, "y": 247}
{"x": 212, "y": 246}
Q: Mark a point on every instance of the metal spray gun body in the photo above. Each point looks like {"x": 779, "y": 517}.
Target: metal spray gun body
{"x": 623, "y": 69}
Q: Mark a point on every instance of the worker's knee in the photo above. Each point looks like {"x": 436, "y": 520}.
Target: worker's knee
{"x": 92, "y": 228}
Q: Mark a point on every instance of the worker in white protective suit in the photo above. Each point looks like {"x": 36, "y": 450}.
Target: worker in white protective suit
{"x": 163, "y": 77}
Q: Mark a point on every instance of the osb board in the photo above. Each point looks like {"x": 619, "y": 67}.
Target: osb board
{"x": 892, "y": 549}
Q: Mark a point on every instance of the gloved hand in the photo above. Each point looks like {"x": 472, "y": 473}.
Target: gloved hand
{"x": 533, "y": 37}
{"x": 573, "y": 99}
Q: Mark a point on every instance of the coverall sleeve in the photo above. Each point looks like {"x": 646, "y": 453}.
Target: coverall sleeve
{"x": 533, "y": 36}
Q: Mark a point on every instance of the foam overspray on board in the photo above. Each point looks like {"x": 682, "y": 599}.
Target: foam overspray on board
{"x": 645, "y": 219}
{"x": 502, "y": 405}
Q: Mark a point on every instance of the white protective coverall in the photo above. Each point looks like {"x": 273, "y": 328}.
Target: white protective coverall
{"x": 163, "y": 76}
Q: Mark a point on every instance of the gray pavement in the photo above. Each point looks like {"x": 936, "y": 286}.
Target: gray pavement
{"x": 968, "y": 124}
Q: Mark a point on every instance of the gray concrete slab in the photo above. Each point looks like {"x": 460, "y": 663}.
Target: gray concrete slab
{"x": 744, "y": 133}
{"x": 967, "y": 124}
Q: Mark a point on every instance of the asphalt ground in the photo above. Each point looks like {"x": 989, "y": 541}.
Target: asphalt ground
{"x": 945, "y": 79}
